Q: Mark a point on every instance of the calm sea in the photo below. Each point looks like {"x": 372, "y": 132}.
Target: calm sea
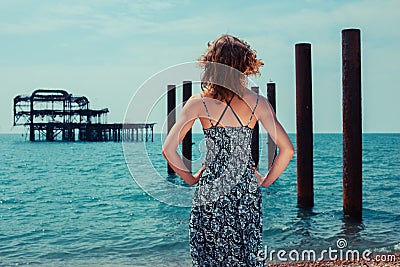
{"x": 74, "y": 204}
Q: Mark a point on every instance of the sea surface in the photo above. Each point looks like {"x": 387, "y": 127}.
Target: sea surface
{"x": 77, "y": 204}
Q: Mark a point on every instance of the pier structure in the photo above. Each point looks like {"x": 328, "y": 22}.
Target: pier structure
{"x": 55, "y": 114}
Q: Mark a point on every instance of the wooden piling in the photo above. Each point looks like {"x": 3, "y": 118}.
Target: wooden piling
{"x": 304, "y": 131}
{"x": 171, "y": 114}
{"x": 271, "y": 96}
{"x": 255, "y": 142}
{"x": 187, "y": 140}
{"x": 352, "y": 129}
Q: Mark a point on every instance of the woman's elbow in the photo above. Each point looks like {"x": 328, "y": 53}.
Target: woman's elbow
{"x": 290, "y": 151}
{"x": 167, "y": 151}
{"x": 164, "y": 152}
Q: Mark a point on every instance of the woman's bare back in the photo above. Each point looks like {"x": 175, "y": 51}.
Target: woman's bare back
{"x": 243, "y": 107}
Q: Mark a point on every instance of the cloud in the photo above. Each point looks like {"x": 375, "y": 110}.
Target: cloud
{"x": 108, "y": 17}
{"x": 118, "y": 17}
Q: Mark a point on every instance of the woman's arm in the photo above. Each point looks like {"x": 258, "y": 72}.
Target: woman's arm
{"x": 267, "y": 116}
{"x": 184, "y": 123}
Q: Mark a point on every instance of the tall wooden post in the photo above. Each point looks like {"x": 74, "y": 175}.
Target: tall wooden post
{"x": 171, "y": 114}
{"x": 187, "y": 140}
{"x": 255, "y": 142}
{"x": 304, "y": 131}
{"x": 271, "y": 145}
{"x": 352, "y": 130}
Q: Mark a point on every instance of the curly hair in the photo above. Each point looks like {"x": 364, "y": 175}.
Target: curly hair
{"x": 221, "y": 82}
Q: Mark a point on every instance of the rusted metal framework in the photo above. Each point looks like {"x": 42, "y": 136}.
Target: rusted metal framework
{"x": 54, "y": 114}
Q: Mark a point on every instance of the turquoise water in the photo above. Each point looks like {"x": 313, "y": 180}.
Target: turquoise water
{"x": 72, "y": 204}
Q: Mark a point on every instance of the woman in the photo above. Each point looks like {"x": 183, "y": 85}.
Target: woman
{"x": 226, "y": 217}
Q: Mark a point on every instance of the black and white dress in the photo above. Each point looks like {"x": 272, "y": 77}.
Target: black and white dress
{"x": 225, "y": 226}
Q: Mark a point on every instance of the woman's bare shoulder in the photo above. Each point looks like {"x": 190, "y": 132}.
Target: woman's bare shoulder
{"x": 195, "y": 96}
{"x": 259, "y": 101}
{"x": 252, "y": 97}
{"x": 194, "y": 101}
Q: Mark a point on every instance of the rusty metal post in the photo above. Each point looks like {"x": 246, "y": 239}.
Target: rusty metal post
{"x": 304, "y": 128}
{"x": 171, "y": 114}
{"x": 271, "y": 96}
{"x": 187, "y": 140}
{"x": 255, "y": 142}
{"x": 352, "y": 131}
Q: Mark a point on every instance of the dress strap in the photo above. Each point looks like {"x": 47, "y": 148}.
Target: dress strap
{"x": 254, "y": 110}
{"x": 205, "y": 106}
{"x": 237, "y": 117}
{"x": 228, "y": 104}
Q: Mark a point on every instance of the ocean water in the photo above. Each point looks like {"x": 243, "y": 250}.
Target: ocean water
{"x": 75, "y": 204}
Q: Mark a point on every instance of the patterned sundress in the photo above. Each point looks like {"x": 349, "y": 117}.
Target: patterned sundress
{"x": 225, "y": 226}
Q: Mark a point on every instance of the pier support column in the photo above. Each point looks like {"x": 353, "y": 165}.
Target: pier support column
{"x": 31, "y": 133}
{"x": 64, "y": 135}
{"x": 49, "y": 133}
{"x": 255, "y": 142}
{"x": 304, "y": 131}
{"x": 352, "y": 129}
{"x": 271, "y": 96}
{"x": 171, "y": 114}
{"x": 187, "y": 140}
{"x": 31, "y": 126}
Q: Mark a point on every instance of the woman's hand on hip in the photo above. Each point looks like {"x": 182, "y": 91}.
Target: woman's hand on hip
{"x": 197, "y": 175}
{"x": 260, "y": 178}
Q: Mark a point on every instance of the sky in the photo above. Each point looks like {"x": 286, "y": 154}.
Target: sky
{"x": 107, "y": 49}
